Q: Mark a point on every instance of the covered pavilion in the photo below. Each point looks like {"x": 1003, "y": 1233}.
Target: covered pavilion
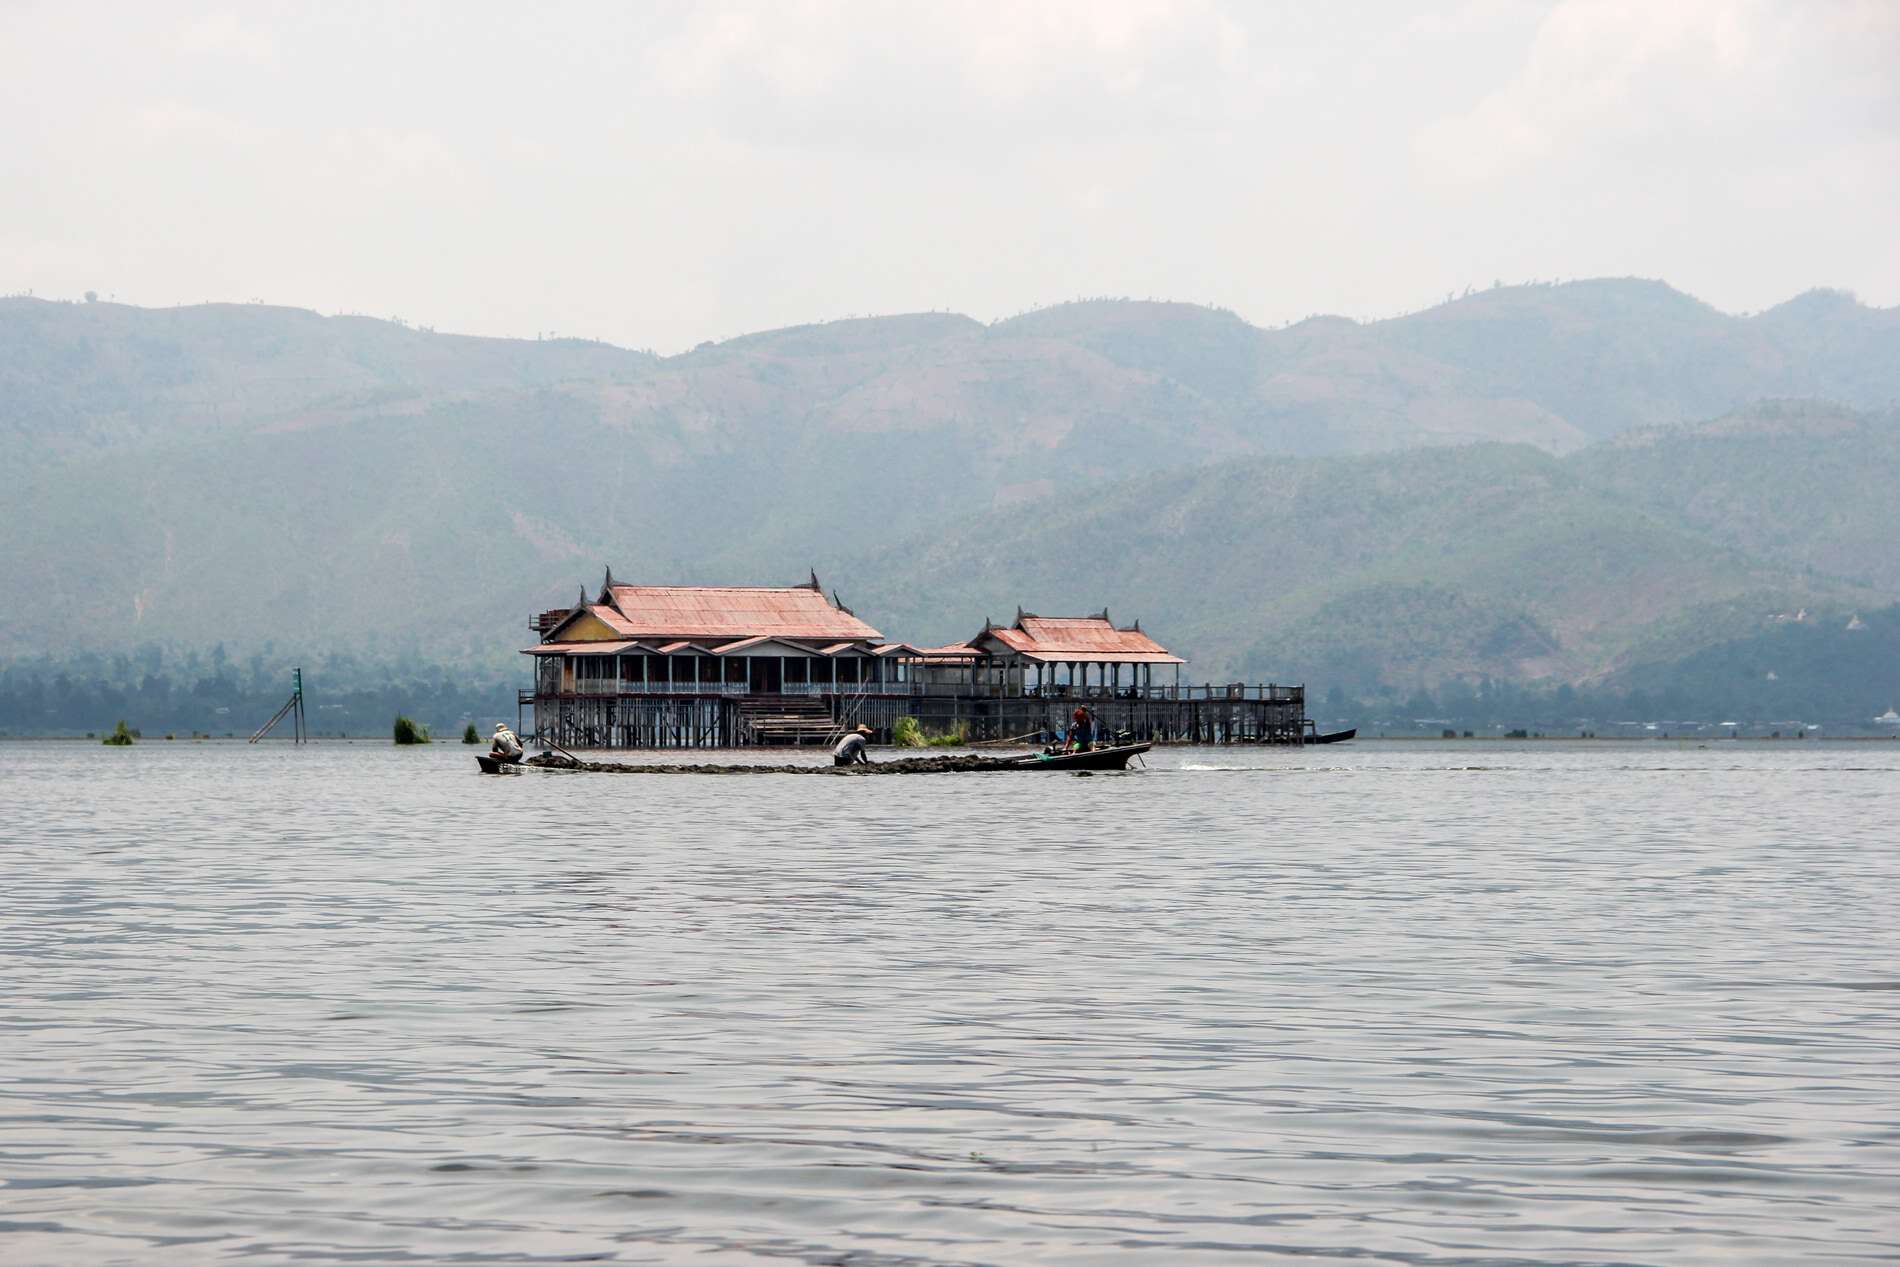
{"x": 1068, "y": 656}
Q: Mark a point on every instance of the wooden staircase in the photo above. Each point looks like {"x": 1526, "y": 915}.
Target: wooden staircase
{"x": 785, "y": 719}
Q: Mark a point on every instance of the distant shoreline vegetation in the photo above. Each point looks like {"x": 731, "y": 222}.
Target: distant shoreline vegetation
{"x": 1682, "y": 701}
{"x": 213, "y": 694}
{"x": 1825, "y": 667}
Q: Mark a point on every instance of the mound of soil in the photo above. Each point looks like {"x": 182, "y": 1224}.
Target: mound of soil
{"x": 906, "y": 765}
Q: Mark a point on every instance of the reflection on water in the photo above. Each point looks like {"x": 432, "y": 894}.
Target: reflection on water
{"x": 1416, "y": 1003}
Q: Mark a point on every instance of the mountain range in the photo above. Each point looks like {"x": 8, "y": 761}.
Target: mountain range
{"x": 1542, "y": 483}
{"x": 1469, "y": 562}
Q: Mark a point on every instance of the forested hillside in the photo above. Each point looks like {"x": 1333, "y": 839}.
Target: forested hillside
{"x": 1407, "y": 570}
{"x": 1522, "y": 483}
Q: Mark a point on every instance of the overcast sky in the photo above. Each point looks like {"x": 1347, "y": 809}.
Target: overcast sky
{"x": 659, "y": 174}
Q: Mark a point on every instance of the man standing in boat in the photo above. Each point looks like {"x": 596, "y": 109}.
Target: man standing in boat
{"x": 850, "y": 749}
{"x": 1081, "y": 729}
{"x": 505, "y": 746}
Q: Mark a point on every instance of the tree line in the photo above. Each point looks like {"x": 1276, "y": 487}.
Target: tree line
{"x": 215, "y": 693}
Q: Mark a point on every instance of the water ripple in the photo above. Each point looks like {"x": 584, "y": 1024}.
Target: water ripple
{"x": 1415, "y": 1004}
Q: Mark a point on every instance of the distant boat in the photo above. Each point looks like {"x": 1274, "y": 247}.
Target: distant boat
{"x": 1333, "y": 736}
{"x": 1888, "y": 718}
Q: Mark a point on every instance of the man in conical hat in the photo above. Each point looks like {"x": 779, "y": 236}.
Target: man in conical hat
{"x": 850, "y": 749}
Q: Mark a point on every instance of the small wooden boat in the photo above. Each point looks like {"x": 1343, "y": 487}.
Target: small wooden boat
{"x": 494, "y": 765}
{"x": 1335, "y": 736}
{"x": 1110, "y": 758}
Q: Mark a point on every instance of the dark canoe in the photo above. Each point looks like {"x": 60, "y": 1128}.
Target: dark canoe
{"x": 1337, "y": 736}
{"x": 493, "y": 765}
{"x": 1115, "y": 758}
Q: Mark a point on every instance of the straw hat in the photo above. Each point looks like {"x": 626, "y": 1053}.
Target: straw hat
{"x": 864, "y": 729}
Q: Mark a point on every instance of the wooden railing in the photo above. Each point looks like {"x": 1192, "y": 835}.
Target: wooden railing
{"x": 1261, "y": 692}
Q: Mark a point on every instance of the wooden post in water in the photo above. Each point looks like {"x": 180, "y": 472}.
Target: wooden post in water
{"x": 293, "y": 708}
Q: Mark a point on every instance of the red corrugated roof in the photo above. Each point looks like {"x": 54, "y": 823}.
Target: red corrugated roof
{"x": 1081, "y": 638}
{"x": 581, "y": 648}
{"x": 692, "y": 611}
{"x": 951, "y": 651}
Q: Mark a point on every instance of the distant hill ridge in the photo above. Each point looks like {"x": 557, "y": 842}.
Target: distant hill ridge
{"x": 1549, "y": 365}
{"x": 246, "y": 472}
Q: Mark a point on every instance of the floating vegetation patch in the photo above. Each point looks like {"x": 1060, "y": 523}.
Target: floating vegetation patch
{"x": 909, "y": 733}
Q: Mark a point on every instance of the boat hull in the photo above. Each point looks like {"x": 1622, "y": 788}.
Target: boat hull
{"x": 1115, "y": 758}
{"x": 494, "y": 765}
{"x": 1337, "y": 736}
{"x": 1112, "y": 758}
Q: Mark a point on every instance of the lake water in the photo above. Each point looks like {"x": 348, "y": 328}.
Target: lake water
{"x": 1414, "y": 1003}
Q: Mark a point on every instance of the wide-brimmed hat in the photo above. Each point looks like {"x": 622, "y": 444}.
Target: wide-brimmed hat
{"x": 864, "y": 729}
{"x": 501, "y": 725}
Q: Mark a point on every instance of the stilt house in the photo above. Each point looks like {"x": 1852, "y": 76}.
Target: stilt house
{"x": 666, "y": 666}
{"x": 656, "y": 665}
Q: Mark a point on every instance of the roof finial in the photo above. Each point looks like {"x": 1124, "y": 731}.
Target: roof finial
{"x": 839, "y": 604}
{"x": 581, "y": 602}
{"x": 1019, "y": 615}
{"x": 815, "y": 586}
{"x": 607, "y": 586}
{"x": 1105, "y": 619}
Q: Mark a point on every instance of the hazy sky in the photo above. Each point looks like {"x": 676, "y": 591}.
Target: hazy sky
{"x": 658, "y": 174}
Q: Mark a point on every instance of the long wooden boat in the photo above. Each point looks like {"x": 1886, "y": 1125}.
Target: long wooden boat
{"x": 1336, "y": 736}
{"x": 1113, "y": 758}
